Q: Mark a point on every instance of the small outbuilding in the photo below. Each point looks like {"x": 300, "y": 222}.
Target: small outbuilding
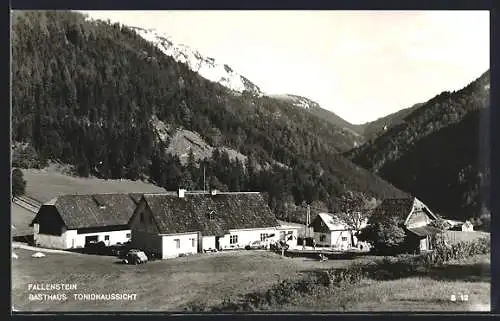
{"x": 330, "y": 231}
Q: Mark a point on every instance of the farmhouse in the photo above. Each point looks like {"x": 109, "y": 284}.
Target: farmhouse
{"x": 168, "y": 225}
{"x": 415, "y": 216}
{"x": 461, "y": 226}
{"x": 332, "y": 232}
{"x": 76, "y": 221}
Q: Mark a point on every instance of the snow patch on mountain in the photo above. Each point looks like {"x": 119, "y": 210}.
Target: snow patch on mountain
{"x": 298, "y": 101}
{"x": 207, "y": 67}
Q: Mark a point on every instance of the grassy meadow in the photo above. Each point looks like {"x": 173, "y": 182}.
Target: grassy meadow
{"x": 209, "y": 279}
{"x": 168, "y": 285}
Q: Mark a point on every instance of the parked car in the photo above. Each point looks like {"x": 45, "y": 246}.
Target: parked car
{"x": 256, "y": 245}
{"x": 135, "y": 257}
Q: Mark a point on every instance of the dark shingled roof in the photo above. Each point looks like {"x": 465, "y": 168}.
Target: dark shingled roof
{"x": 424, "y": 230}
{"x": 97, "y": 210}
{"x": 191, "y": 213}
{"x": 395, "y": 207}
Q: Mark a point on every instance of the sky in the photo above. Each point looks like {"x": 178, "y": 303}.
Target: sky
{"x": 361, "y": 65}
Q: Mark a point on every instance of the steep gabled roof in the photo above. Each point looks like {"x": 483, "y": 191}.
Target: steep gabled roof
{"x": 394, "y": 207}
{"x": 96, "y": 210}
{"x": 209, "y": 214}
{"x": 332, "y": 223}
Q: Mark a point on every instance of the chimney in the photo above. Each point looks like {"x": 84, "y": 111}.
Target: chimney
{"x": 181, "y": 193}
{"x": 214, "y": 192}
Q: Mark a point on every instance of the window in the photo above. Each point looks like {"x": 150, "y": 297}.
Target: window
{"x": 344, "y": 238}
{"x": 193, "y": 242}
{"x": 177, "y": 243}
{"x": 322, "y": 238}
{"x": 128, "y": 235}
{"x": 151, "y": 219}
{"x": 233, "y": 239}
{"x": 282, "y": 235}
{"x": 263, "y": 236}
{"x": 211, "y": 215}
{"x": 142, "y": 217}
{"x": 106, "y": 237}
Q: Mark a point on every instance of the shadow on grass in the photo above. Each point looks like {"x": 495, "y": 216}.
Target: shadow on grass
{"x": 120, "y": 262}
{"x": 474, "y": 272}
{"x": 477, "y": 272}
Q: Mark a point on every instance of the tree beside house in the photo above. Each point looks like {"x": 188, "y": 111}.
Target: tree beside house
{"x": 402, "y": 225}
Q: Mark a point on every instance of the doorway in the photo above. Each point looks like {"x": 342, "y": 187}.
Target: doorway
{"x": 423, "y": 244}
{"x": 92, "y": 239}
{"x": 217, "y": 243}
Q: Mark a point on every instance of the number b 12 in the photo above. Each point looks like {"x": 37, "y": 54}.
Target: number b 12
{"x": 460, "y": 297}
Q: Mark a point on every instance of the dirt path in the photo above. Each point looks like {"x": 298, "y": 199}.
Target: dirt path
{"x": 18, "y": 245}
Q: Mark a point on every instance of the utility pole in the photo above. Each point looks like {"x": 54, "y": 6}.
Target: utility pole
{"x": 204, "y": 185}
{"x": 308, "y": 219}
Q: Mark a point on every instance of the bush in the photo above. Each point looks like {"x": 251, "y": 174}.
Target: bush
{"x": 25, "y": 156}
{"x": 342, "y": 277}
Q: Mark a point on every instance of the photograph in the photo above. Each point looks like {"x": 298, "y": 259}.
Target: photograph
{"x": 204, "y": 161}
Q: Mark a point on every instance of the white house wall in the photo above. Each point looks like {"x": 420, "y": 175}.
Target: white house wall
{"x": 208, "y": 242}
{"x": 246, "y": 237}
{"x": 70, "y": 239}
{"x": 334, "y": 239}
{"x": 337, "y": 239}
{"x": 187, "y": 246}
{"x": 75, "y": 240}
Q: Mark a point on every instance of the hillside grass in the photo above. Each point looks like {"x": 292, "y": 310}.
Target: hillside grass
{"x": 44, "y": 185}
{"x": 168, "y": 285}
{"x": 21, "y": 219}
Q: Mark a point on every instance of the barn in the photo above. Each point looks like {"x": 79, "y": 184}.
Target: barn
{"x": 329, "y": 231}
{"x": 415, "y": 217}
{"x": 76, "y": 221}
{"x": 173, "y": 224}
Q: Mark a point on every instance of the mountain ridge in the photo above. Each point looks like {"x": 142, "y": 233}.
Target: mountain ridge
{"x": 439, "y": 150}
{"x": 85, "y": 93}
